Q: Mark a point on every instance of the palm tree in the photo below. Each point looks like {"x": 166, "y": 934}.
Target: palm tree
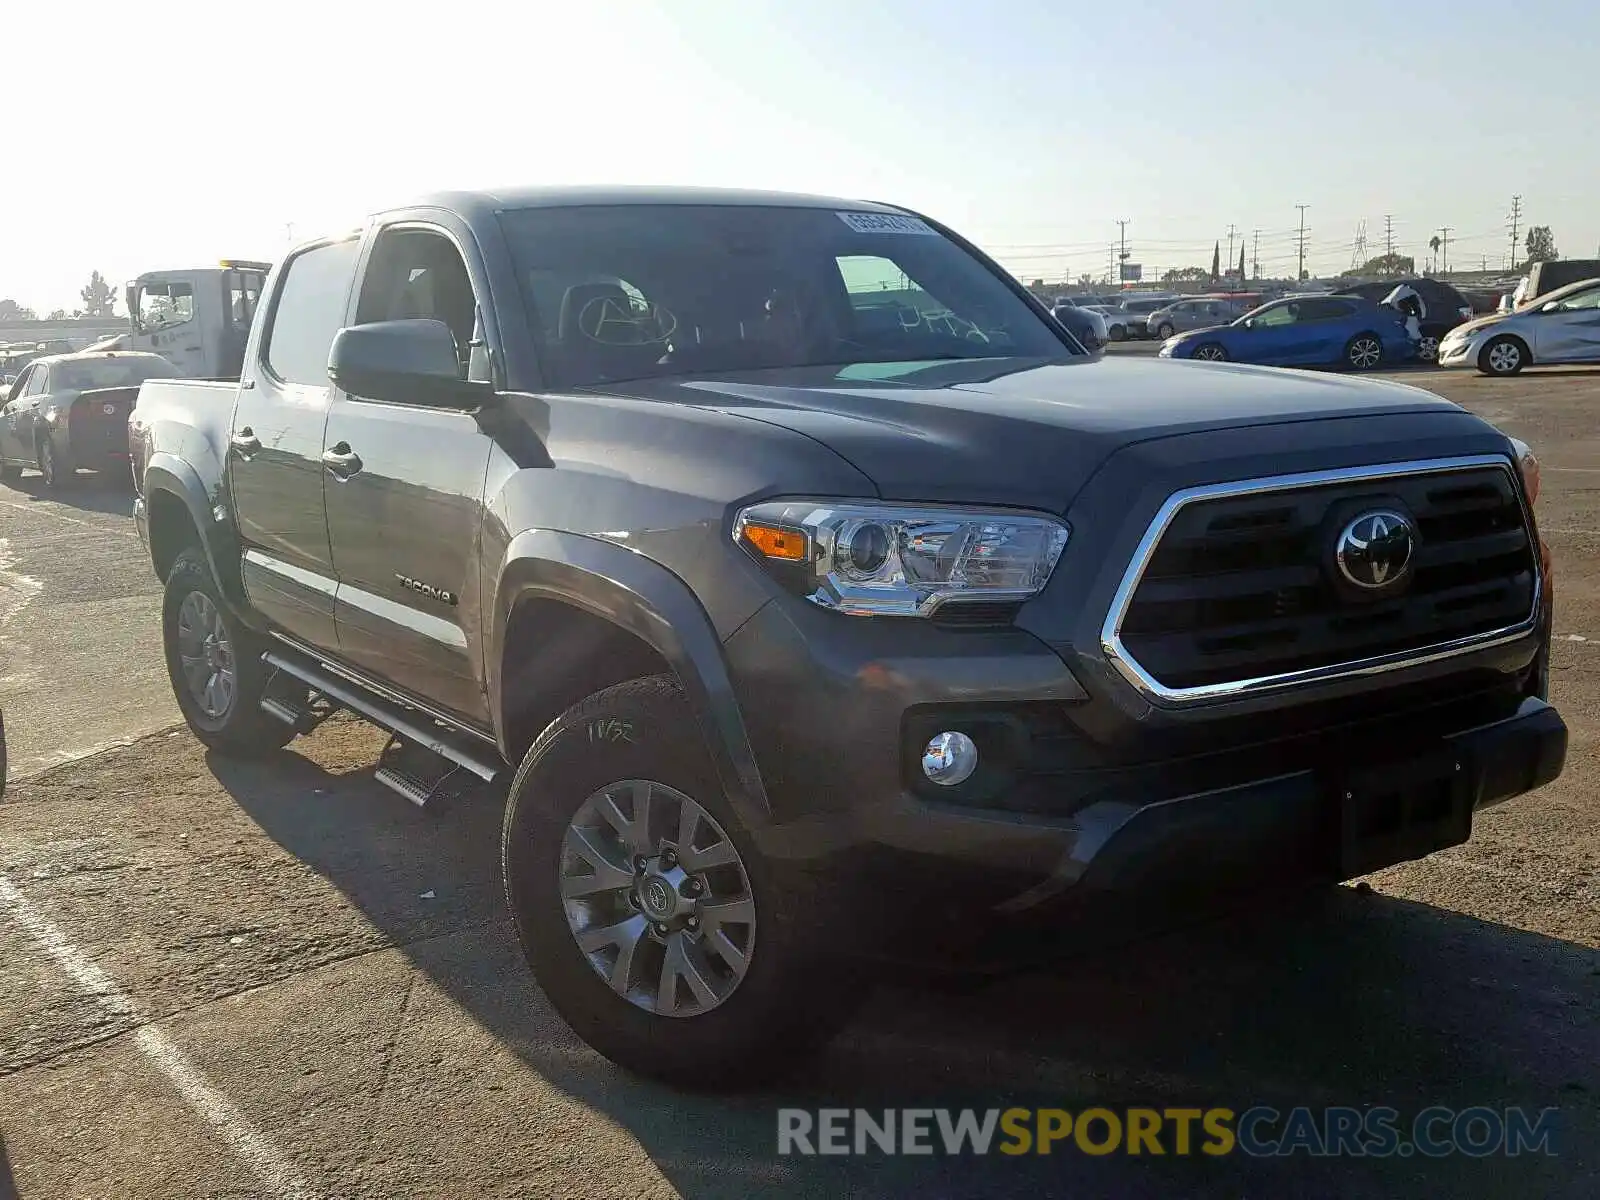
{"x": 1433, "y": 244}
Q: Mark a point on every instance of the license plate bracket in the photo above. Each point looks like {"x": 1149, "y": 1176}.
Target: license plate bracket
{"x": 1397, "y": 810}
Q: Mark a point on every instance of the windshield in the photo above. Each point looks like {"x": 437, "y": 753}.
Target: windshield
{"x": 108, "y": 373}
{"x": 629, "y": 291}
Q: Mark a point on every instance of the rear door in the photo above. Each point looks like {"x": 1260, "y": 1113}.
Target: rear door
{"x": 1572, "y": 332}
{"x": 275, "y": 455}
{"x": 404, "y": 485}
{"x": 1321, "y": 329}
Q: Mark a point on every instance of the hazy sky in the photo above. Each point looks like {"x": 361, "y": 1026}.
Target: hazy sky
{"x": 178, "y": 133}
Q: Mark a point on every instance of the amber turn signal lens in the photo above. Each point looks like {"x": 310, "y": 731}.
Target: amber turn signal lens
{"x": 789, "y": 545}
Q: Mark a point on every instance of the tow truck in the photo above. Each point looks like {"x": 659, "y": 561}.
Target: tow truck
{"x": 197, "y": 318}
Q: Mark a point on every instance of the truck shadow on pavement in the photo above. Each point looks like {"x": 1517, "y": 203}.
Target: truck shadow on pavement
{"x": 1343, "y": 998}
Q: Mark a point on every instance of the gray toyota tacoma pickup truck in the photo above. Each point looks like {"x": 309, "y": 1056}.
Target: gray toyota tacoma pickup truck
{"x": 820, "y": 598}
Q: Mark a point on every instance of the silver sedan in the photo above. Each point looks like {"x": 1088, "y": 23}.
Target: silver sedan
{"x": 1563, "y": 327}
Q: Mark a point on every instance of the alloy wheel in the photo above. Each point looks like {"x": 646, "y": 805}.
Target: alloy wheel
{"x": 1428, "y": 349}
{"x": 1210, "y": 353}
{"x": 1504, "y": 358}
{"x": 206, "y": 654}
{"x": 657, "y": 898}
{"x": 1365, "y": 352}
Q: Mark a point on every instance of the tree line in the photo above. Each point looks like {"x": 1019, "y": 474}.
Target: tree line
{"x": 99, "y": 300}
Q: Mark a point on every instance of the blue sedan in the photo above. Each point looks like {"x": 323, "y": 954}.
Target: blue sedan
{"x": 1303, "y": 331}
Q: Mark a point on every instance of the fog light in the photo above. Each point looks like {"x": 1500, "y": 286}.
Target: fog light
{"x": 950, "y": 758}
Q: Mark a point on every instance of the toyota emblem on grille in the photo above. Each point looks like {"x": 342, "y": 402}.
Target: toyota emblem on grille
{"x": 1374, "y": 550}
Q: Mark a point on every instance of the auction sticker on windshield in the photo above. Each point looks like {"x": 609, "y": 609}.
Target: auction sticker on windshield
{"x": 863, "y": 222}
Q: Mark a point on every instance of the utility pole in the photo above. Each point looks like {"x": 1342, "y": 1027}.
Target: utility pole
{"x": 1388, "y": 235}
{"x": 1122, "y": 257}
{"x": 1516, "y": 218}
{"x": 1444, "y": 249}
{"x": 1301, "y": 271}
{"x": 1230, "y": 245}
{"x": 1255, "y": 257}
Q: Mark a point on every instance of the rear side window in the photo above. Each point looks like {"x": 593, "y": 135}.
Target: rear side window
{"x": 309, "y": 310}
{"x": 1323, "y": 309}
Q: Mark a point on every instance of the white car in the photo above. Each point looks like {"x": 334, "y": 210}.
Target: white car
{"x": 1562, "y": 327}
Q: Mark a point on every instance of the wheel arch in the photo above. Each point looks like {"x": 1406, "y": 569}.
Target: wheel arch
{"x": 574, "y": 610}
{"x": 1522, "y": 343}
{"x": 181, "y": 514}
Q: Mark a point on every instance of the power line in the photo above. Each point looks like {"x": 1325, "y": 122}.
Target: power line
{"x": 1444, "y": 247}
{"x": 1516, "y": 218}
{"x": 1301, "y": 269}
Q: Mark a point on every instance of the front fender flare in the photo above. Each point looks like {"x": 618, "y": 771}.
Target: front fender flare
{"x": 647, "y": 600}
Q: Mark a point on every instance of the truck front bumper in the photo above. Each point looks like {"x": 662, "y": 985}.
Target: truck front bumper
{"x": 1098, "y": 805}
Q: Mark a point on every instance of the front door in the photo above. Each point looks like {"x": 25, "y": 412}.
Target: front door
{"x": 404, "y": 487}
{"x": 1571, "y": 332}
{"x": 17, "y": 418}
{"x": 275, "y": 453}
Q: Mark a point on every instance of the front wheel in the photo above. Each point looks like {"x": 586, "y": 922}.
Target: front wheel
{"x": 1502, "y": 356}
{"x": 1211, "y": 352}
{"x": 1164, "y": 330}
{"x": 654, "y": 927}
{"x": 1117, "y": 333}
{"x": 215, "y": 665}
{"x": 1363, "y": 352}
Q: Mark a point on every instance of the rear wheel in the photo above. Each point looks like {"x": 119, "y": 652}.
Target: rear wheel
{"x": 215, "y": 665}
{"x": 1363, "y": 352}
{"x": 1117, "y": 333}
{"x": 1428, "y": 349}
{"x": 1164, "y": 330}
{"x": 653, "y": 925}
{"x": 1211, "y": 352}
{"x": 1502, "y": 356}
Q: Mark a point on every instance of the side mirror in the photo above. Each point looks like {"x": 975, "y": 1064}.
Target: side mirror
{"x": 1249, "y": 322}
{"x": 403, "y": 362}
{"x": 1550, "y": 306}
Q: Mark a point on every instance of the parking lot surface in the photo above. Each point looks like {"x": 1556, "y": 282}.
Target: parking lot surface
{"x": 280, "y": 979}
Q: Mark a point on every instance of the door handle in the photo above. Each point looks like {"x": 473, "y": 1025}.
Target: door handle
{"x": 245, "y": 442}
{"x": 342, "y": 461}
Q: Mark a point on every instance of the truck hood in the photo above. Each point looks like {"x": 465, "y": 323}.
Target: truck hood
{"x": 1021, "y": 432}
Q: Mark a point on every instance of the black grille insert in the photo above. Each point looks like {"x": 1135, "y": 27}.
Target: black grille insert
{"x": 1242, "y": 587}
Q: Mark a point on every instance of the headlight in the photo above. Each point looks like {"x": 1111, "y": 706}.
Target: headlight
{"x": 1165, "y": 351}
{"x": 1528, "y": 468}
{"x": 900, "y": 560}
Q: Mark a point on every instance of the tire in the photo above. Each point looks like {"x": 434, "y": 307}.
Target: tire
{"x": 56, "y": 474}
{"x": 1117, "y": 333}
{"x": 1164, "y": 330}
{"x": 9, "y": 471}
{"x": 790, "y": 995}
{"x": 193, "y": 604}
{"x": 1503, "y": 356}
{"x": 1210, "y": 352}
{"x": 1428, "y": 349}
{"x": 1364, "y": 352}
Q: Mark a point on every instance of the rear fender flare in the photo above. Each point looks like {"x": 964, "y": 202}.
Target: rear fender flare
{"x": 168, "y": 473}
{"x": 649, "y": 601}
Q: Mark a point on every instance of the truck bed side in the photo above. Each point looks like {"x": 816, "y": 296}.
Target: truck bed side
{"x": 178, "y": 443}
